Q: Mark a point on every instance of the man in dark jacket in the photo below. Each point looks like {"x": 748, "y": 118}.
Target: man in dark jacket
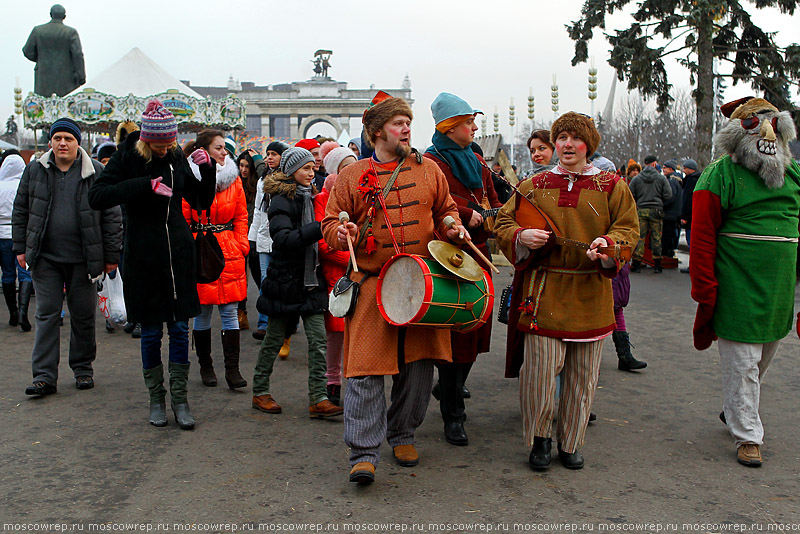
{"x": 651, "y": 192}
{"x": 65, "y": 244}
{"x": 672, "y": 209}
{"x": 689, "y": 181}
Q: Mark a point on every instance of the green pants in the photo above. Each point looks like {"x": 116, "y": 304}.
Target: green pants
{"x": 314, "y": 325}
{"x": 652, "y": 220}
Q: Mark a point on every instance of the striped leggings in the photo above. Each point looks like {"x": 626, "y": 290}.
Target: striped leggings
{"x": 544, "y": 359}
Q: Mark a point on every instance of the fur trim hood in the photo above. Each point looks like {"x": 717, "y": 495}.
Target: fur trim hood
{"x": 279, "y": 184}
{"x": 226, "y": 174}
{"x": 124, "y": 129}
{"x": 87, "y": 169}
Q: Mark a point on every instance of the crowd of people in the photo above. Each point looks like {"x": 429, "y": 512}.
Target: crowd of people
{"x": 309, "y": 219}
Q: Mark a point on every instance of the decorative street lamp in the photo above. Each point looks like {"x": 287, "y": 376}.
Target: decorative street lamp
{"x": 512, "y": 120}
{"x": 18, "y": 110}
{"x": 483, "y": 126}
{"x": 496, "y": 121}
{"x": 592, "y": 85}
{"x": 531, "y": 113}
{"x": 554, "y": 96}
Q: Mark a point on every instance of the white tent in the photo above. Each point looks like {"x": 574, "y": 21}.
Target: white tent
{"x": 121, "y": 92}
{"x": 136, "y": 74}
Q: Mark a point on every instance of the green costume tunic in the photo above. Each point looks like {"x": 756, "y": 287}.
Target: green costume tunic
{"x": 755, "y": 298}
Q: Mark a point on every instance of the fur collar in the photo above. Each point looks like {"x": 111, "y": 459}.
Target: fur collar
{"x": 87, "y": 169}
{"x": 280, "y": 184}
{"x": 226, "y": 174}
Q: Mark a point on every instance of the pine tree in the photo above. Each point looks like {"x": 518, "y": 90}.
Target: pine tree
{"x": 697, "y": 32}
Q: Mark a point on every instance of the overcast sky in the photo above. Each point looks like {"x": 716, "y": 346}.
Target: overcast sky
{"x": 484, "y": 51}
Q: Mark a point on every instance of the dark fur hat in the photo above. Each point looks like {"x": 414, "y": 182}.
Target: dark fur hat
{"x": 381, "y": 113}
{"x": 581, "y": 125}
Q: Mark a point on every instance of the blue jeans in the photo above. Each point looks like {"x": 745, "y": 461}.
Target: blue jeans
{"x": 9, "y": 264}
{"x": 178, "y": 343}
{"x": 263, "y": 260}
{"x": 227, "y": 314}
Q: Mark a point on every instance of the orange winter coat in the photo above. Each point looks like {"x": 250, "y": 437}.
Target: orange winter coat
{"x": 229, "y": 205}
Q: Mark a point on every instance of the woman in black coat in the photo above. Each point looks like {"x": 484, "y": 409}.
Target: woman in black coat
{"x": 150, "y": 175}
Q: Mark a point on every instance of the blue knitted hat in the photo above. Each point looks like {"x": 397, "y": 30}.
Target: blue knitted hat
{"x": 65, "y": 124}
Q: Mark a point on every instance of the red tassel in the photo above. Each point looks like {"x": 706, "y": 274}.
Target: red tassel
{"x": 372, "y": 247}
{"x": 526, "y": 308}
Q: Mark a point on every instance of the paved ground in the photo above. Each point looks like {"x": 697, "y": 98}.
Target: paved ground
{"x": 657, "y": 453}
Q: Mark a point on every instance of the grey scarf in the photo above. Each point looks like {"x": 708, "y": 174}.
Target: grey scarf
{"x": 312, "y": 255}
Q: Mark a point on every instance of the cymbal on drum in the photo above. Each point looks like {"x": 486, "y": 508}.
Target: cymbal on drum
{"x": 455, "y": 260}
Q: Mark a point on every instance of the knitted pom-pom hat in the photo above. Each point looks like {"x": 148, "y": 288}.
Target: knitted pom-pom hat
{"x": 325, "y": 149}
{"x": 335, "y": 157}
{"x": 581, "y": 125}
{"x": 158, "y": 124}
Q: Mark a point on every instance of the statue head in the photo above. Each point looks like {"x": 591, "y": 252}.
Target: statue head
{"x": 757, "y": 137}
{"x": 58, "y": 12}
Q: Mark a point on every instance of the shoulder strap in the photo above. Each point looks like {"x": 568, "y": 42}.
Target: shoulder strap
{"x": 363, "y": 230}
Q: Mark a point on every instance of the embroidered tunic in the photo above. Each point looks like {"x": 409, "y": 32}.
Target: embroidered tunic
{"x": 743, "y": 257}
{"x": 417, "y": 205}
{"x": 573, "y": 293}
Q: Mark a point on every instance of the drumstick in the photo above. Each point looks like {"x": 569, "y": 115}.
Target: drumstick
{"x": 450, "y": 222}
{"x": 344, "y": 218}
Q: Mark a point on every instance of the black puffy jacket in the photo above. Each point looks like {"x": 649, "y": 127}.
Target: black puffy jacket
{"x": 101, "y": 231}
{"x": 283, "y": 291}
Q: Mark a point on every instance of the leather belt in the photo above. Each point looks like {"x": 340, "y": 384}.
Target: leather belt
{"x": 213, "y": 228}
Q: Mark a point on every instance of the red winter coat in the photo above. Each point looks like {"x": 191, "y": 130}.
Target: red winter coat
{"x": 333, "y": 262}
{"x": 229, "y": 205}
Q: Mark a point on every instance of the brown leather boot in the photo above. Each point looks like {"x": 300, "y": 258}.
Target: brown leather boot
{"x": 244, "y": 324}
{"x": 202, "y": 346}
{"x": 406, "y": 455}
{"x": 284, "y": 352}
{"x": 324, "y": 409}
{"x": 266, "y": 403}
{"x": 230, "y": 350}
{"x": 749, "y": 454}
{"x": 362, "y": 473}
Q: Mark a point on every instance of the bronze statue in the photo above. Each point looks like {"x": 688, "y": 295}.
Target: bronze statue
{"x": 322, "y": 62}
{"x": 56, "y": 50}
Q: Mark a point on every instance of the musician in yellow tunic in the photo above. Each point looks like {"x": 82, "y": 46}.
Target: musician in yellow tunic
{"x": 562, "y": 306}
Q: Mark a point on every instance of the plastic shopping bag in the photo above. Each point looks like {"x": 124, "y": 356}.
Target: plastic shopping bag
{"x": 111, "y": 300}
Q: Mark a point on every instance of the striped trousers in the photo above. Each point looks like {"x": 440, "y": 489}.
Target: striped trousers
{"x": 367, "y": 421}
{"x": 544, "y": 359}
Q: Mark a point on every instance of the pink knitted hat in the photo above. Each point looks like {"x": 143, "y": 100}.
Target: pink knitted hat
{"x": 158, "y": 124}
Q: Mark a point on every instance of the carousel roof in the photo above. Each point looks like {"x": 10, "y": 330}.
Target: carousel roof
{"x": 137, "y": 74}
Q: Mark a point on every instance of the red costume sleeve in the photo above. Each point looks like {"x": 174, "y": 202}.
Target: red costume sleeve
{"x": 706, "y": 220}
{"x": 338, "y": 257}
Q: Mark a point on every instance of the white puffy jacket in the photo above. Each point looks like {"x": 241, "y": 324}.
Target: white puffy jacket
{"x": 10, "y": 173}
{"x": 259, "y": 229}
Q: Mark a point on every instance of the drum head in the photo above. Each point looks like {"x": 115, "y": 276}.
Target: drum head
{"x": 403, "y": 289}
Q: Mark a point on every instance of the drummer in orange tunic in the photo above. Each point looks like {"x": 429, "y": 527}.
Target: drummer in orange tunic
{"x": 472, "y": 189}
{"x": 562, "y": 307}
{"x": 416, "y": 207}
